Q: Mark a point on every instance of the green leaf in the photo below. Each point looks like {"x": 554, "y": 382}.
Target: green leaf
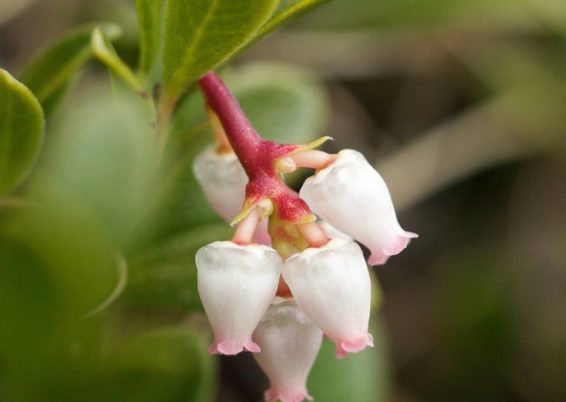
{"x": 165, "y": 276}
{"x": 202, "y": 34}
{"x": 104, "y": 51}
{"x": 149, "y": 18}
{"x": 101, "y": 158}
{"x": 168, "y": 365}
{"x": 49, "y": 73}
{"x": 284, "y": 103}
{"x": 56, "y": 256}
{"x": 286, "y": 11}
{"x": 21, "y": 131}
{"x": 360, "y": 377}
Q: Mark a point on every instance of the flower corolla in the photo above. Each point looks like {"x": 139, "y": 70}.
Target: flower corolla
{"x": 351, "y": 196}
{"x": 289, "y": 344}
{"x": 236, "y": 285}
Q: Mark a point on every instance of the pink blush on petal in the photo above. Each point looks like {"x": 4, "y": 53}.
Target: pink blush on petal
{"x": 353, "y": 345}
{"x": 251, "y": 346}
{"x": 231, "y": 348}
{"x": 273, "y": 395}
{"x": 400, "y": 243}
{"x": 380, "y": 257}
{"x": 377, "y": 258}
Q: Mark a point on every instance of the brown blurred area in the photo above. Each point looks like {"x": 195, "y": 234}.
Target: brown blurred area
{"x": 462, "y": 108}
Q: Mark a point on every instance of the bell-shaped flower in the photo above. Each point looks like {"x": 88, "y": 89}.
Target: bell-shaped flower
{"x": 331, "y": 284}
{"x": 222, "y": 180}
{"x": 236, "y": 286}
{"x": 289, "y": 344}
{"x": 350, "y": 195}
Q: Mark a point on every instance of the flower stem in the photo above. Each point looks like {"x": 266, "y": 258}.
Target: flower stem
{"x": 246, "y": 228}
{"x": 222, "y": 143}
{"x": 164, "y": 113}
{"x": 313, "y": 234}
{"x": 262, "y": 161}
{"x": 244, "y": 139}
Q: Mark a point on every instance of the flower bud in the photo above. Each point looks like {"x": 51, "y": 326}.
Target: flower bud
{"x": 351, "y": 196}
{"x": 289, "y": 344}
{"x": 236, "y": 286}
{"x": 222, "y": 180}
{"x": 331, "y": 284}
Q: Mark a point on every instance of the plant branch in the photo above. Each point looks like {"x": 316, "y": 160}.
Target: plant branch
{"x": 244, "y": 139}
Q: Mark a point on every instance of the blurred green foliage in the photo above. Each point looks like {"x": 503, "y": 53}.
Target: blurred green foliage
{"x": 21, "y": 131}
{"x": 359, "y": 378}
{"x": 50, "y": 73}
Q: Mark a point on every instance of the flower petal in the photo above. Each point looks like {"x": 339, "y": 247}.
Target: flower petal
{"x": 332, "y": 232}
{"x": 236, "y": 285}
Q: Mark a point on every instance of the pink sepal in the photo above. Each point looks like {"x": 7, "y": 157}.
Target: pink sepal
{"x": 273, "y": 395}
{"x": 353, "y": 345}
{"x": 231, "y": 348}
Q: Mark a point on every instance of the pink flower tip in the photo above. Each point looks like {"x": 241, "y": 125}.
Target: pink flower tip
{"x": 353, "y": 345}
{"x": 231, "y": 348}
{"x": 298, "y": 395}
{"x": 380, "y": 256}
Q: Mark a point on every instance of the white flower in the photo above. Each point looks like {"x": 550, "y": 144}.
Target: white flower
{"x": 289, "y": 344}
{"x": 351, "y": 196}
{"x": 332, "y": 232}
{"x": 222, "y": 180}
{"x": 236, "y": 285}
{"x": 331, "y": 284}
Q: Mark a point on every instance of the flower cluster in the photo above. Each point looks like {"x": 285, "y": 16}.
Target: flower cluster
{"x": 286, "y": 279}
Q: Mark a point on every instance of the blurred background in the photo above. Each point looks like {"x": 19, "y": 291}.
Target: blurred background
{"x": 461, "y": 105}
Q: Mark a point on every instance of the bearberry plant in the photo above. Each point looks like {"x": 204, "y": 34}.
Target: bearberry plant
{"x": 105, "y": 231}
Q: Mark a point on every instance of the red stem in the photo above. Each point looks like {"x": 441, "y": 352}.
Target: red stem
{"x": 244, "y": 139}
{"x": 258, "y": 158}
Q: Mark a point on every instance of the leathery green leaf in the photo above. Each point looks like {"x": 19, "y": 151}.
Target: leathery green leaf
{"x": 104, "y": 51}
{"x": 50, "y": 72}
{"x": 169, "y": 364}
{"x": 149, "y": 19}
{"x": 202, "y": 34}
{"x": 21, "y": 131}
